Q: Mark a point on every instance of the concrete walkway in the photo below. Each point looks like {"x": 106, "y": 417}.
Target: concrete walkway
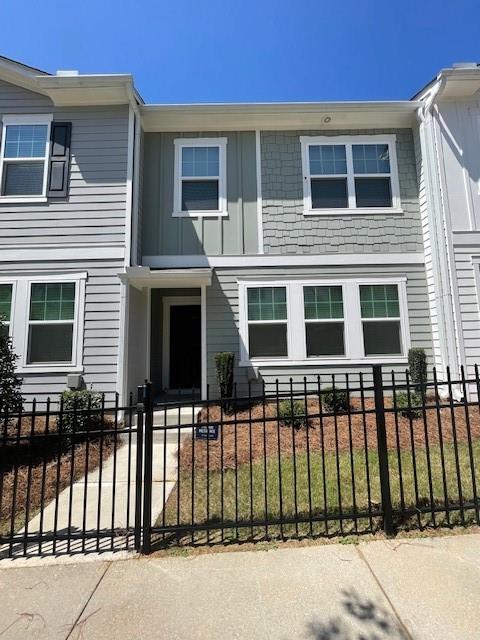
{"x": 117, "y": 499}
{"x": 424, "y": 588}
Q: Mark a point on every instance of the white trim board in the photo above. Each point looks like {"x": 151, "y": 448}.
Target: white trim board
{"x": 168, "y": 302}
{"x": 272, "y": 260}
{"x": 258, "y": 167}
{"x": 40, "y": 253}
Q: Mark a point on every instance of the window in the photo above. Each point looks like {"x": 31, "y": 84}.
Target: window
{"x": 381, "y": 319}
{"x": 24, "y": 154}
{"x": 6, "y": 291}
{"x": 324, "y": 321}
{"x": 51, "y": 322}
{"x": 355, "y": 174}
{"x": 200, "y": 177}
{"x": 267, "y": 326}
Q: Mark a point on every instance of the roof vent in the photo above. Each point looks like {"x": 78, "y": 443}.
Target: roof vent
{"x": 465, "y": 65}
{"x": 67, "y": 72}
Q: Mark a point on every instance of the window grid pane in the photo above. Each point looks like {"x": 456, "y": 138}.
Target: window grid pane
{"x": 23, "y": 178}
{"x": 267, "y": 303}
{"x": 371, "y": 158}
{"x": 379, "y": 301}
{"x": 26, "y": 141}
{"x": 200, "y": 162}
{"x": 52, "y": 301}
{"x": 200, "y": 195}
{"x": 323, "y": 303}
{"x": 5, "y": 301}
{"x": 327, "y": 159}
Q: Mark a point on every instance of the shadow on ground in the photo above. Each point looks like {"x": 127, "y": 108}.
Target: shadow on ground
{"x": 363, "y": 620}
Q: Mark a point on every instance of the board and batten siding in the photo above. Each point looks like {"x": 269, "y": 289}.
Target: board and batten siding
{"x": 286, "y": 230}
{"x": 223, "y": 318}
{"x": 93, "y": 213}
{"x": 233, "y": 234}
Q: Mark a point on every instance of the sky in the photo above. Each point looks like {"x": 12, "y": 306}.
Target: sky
{"x": 248, "y": 51}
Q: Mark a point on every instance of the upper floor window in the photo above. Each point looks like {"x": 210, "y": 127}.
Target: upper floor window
{"x": 24, "y": 156}
{"x": 200, "y": 177}
{"x": 350, "y": 174}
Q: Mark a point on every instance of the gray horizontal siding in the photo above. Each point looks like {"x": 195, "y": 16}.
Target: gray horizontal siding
{"x": 95, "y": 208}
{"x": 233, "y": 234}
{"x": 287, "y": 230}
{"x": 223, "y": 318}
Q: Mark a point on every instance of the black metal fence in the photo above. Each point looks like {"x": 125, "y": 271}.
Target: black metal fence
{"x": 324, "y": 456}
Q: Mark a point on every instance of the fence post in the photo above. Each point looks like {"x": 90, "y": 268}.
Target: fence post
{"x": 382, "y": 451}
{"x": 139, "y": 470}
{"x": 147, "y": 474}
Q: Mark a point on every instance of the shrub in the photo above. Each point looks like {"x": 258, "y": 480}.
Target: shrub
{"x": 10, "y": 397}
{"x": 76, "y": 416}
{"x": 335, "y": 400}
{"x": 224, "y": 361}
{"x": 417, "y": 364}
{"x": 413, "y": 411}
{"x": 292, "y": 413}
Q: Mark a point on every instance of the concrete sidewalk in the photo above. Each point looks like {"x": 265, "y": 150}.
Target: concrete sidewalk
{"x": 423, "y": 588}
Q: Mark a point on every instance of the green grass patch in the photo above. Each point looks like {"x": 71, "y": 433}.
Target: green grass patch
{"x": 300, "y": 487}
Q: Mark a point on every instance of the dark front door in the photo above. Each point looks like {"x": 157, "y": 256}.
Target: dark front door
{"x": 185, "y": 347}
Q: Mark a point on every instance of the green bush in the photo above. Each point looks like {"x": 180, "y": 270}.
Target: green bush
{"x": 412, "y": 411}
{"x": 417, "y": 364}
{"x": 335, "y": 400}
{"x": 76, "y": 414}
{"x": 292, "y": 413}
{"x": 10, "y": 396}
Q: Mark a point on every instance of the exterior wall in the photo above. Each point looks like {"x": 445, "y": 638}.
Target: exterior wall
{"x": 138, "y": 341}
{"x": 83, "y": 232}
{"x": 285, "y": 228}
{"x": 454, "y": 130}
{"x": 223, "y": 319}
{"x": 231, "y": 235}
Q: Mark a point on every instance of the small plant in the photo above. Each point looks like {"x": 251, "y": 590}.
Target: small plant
{"x": 80, "y": 411}
{"x": 335, "y": 400}
{"x": 406, "y": 409}
{"x": 224, "y": 363}
{"x": 417, "y": 364}
{"x": 10, "y": 396}
{"x": 292, "y": 413}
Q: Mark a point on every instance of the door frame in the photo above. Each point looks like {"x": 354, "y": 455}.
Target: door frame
{"x": 168, "y": 303}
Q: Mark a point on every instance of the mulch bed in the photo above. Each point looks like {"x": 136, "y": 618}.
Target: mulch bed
{"x": 355, "y": 429}
{"x": 45, "y": 464}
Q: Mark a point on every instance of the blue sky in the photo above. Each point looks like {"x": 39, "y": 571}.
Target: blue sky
{"x": 247, "y": 50}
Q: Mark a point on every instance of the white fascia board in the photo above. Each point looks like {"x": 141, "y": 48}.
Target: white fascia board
{"x": 70, "y": 251}
{"x": 341, "y": 259}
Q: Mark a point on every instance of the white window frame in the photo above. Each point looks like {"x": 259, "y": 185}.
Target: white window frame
{"x": 348, "y": 142}
{"x": 13, "y": 284}
{"x": 296, "y": 334}
{"x": 325, "y": 320}
{"x": 30, "y": 119}
{"x": 269, "y": 285}
{"x": 20, "y": 320}
{"x": 180, "y": 144}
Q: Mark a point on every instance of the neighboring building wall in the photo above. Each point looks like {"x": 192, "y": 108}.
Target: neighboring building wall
{"x": 223, "y": 319}
{"x": 231, "y": 235}
{"x": 285, "y": 228}
{"x": 91, "y": 217}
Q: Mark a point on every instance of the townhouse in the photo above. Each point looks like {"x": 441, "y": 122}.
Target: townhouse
{"x": 139, "y": 240}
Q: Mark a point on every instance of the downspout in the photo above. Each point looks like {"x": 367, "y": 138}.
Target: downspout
{"x": 440, "y": 257}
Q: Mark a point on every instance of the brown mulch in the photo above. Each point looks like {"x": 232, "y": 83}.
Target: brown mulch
{"x": 355, "y": 429}
{"x": 46, "y": 468}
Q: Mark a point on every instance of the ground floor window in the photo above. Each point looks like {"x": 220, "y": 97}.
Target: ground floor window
{"x": 45, "y": 319}
{"x": 323, "y": 320}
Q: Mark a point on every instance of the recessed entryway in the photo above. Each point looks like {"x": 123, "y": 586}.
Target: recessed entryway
{"x": 182, "y": 343}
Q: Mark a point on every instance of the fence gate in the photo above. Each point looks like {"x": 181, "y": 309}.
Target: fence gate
{"x": 71, "y": 477}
